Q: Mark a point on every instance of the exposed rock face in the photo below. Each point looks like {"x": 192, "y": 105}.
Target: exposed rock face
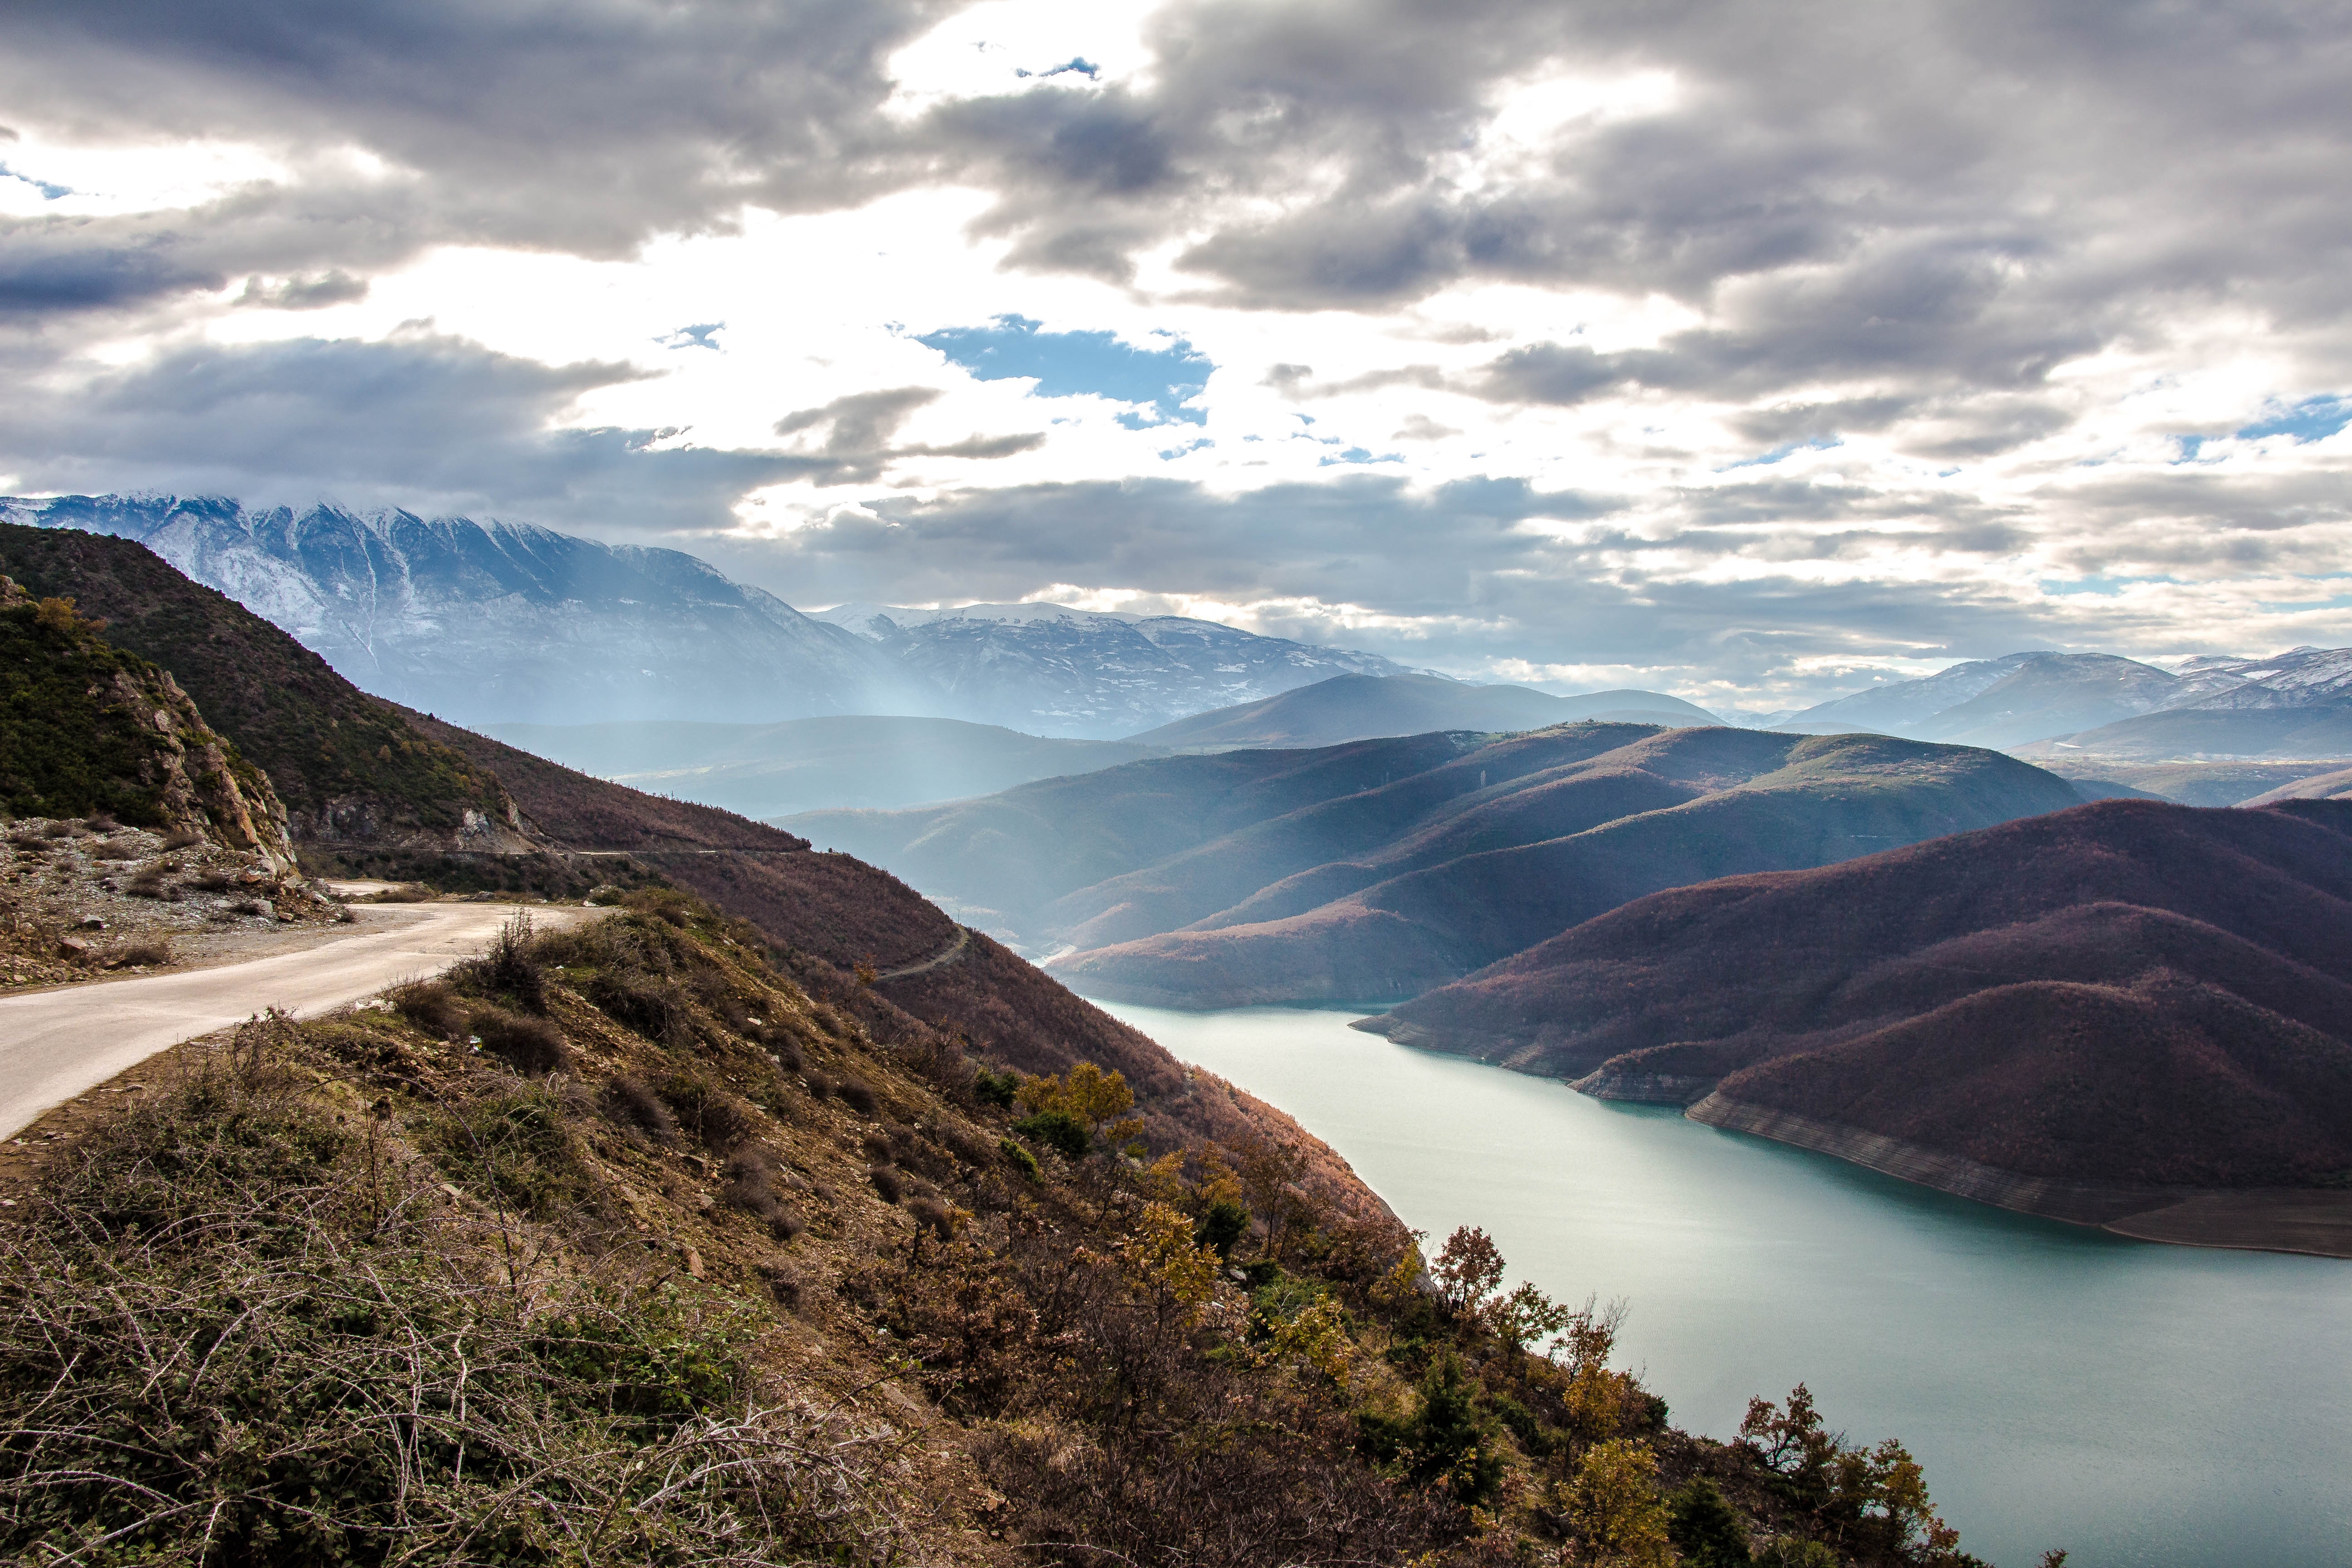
{"x": 97, "y": 729}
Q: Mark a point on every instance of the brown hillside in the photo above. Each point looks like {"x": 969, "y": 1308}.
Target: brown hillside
{"x": 2128, "y": 992}
{"x": 349, "y": 770}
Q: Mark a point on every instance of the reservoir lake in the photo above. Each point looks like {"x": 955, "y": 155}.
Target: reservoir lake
{"x": 2141, "y": 1405}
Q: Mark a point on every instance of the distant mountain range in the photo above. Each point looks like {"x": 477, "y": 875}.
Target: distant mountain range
{"x": 2130, "y": 993}
{"x": 483, "y": 622}
{"x": 1383, "y": 868}
{"x": 506, "y": 623}
{"x": 1049, "y": 670}
{"x": 2295, "y": 705}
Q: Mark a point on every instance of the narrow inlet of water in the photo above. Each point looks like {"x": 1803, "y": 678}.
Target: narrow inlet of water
{"x": 2142, "y": 1405}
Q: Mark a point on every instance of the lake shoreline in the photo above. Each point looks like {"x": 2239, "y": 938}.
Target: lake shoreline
{"x": 2315, "y": 1222}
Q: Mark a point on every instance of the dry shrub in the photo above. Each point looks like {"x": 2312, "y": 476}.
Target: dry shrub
{"x": 751, "y": 1186}
{"x": 529, "y": 1045}
{"x": 183, "y": 838}
{"x": 930, "y": 1215}
{"x": 716, "y": 1119}
{"x": 819, "y": 1086}
{"x": 511, "y": 967}
{"x": 629, "y": 1102}
{"x": 146, "y": 950}
{"x": 250, "y": 907}
{"x": 115, "y": 849}
{"x": 59, "y": 830}
{"x": 407, "y": 893}
{"x": 787, "y": 1055}
{"x": 228, "y": 1305}
{"x": 783, "y": 1283}
{"x": 153, "y": 882}
{"x": 966, "y": 1145}
{"x": 887, "y": 1183}
{"x": 858, "y": 1096}
{"x": 212, "y": 879}
{"x": 432, "y": 1006}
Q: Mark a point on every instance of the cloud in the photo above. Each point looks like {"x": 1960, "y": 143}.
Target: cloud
{"x": 428, "y": 420}
{"x": 859, "y": 429}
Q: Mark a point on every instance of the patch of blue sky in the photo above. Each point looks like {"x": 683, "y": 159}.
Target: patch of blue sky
{"x": 2104, "y": 586}
{"x": 695, "y": 337}
{"x": 1158, "y": 381}
{"x": 2312, "y": 419}
{"x": 50, "y": 191}
{"x": 2189, "y": 447}
{"x": 1359, "y": 454}
{"x": 1181, "y": 447}
{"x": 1077, "y": 65}
{"x": 1788, "y": 449}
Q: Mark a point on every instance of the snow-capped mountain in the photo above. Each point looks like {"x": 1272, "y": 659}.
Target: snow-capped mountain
{"x": 1048, "y": 669}
{"x": 483, "y": 622}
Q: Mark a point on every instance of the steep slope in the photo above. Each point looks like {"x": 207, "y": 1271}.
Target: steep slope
{"x": 504, "y": 621}
{"x": 814, "y": 764}
{"x": 1047, "y": 669}
{"x": 353, "y": 774}
{"x": 2128, "y": 996}
{"x": 1357, "y": 707}
{"x": 1751, "y": 801}
{"x": 564, "y": 832}
{"x": 86, "y": 730}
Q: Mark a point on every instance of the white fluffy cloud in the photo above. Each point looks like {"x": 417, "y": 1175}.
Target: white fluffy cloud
{"x": 1728, "y": 349}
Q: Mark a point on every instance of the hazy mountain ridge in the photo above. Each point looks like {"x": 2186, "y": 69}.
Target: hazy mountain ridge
{"x": 1048, "y": 669}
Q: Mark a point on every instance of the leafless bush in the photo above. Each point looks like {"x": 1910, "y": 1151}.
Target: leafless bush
{"x": 405, "y": 894}
{"x": 820, "y": 1086}
{"x": 632, "y": 1104}
{"x": 250, "y": 907}
{"x": 144, "y": 951}
{"x": 153, "y": 882}
{"x": 211, "y": 879}
{"x": 752, "y": 1187}
{"x": 858, "y": 1096}
{"x": 714, "y": 1118}
{"x": 183, "y": 838}
{"x": 511, "y": 967}
{"x": 60, "y": 829}
{"x": 115, "y": 849}
{"x": 529, "y": 1045}
{"x": 887, "y": 1183}
{"x": 432, "y": 1006}
{"x": 788, "y": 1055}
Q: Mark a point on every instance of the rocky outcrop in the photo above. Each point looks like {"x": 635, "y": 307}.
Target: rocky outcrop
{"x": 97, "y": 729}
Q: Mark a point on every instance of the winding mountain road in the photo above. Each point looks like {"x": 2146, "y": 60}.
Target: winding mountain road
{"x": 54, "y": 1045}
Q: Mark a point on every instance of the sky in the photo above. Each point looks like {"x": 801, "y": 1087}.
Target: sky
{"x": 1750, "y": 352}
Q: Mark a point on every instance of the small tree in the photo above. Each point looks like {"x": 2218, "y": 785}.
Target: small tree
{"x": 1469, "y": 1269}
{"x": 1614, "y": 1504}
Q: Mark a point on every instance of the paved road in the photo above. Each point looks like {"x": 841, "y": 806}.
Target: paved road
{"x": 56, "y": 1044}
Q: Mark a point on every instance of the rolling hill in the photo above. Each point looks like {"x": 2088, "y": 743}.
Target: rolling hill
{"x": 2066, "y": 1013}
{"x": 811, "y": 765}
{"x": 1357, "y": 707}
{"x": 1382, "y": 868}
{"x": 1513, "y": 864}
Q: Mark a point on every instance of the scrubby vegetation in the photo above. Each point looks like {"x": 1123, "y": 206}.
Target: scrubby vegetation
{"x": 617, "y": 1246}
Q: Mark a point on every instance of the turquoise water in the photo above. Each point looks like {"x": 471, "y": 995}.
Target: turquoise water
{"x": 2137, "y": 1404}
